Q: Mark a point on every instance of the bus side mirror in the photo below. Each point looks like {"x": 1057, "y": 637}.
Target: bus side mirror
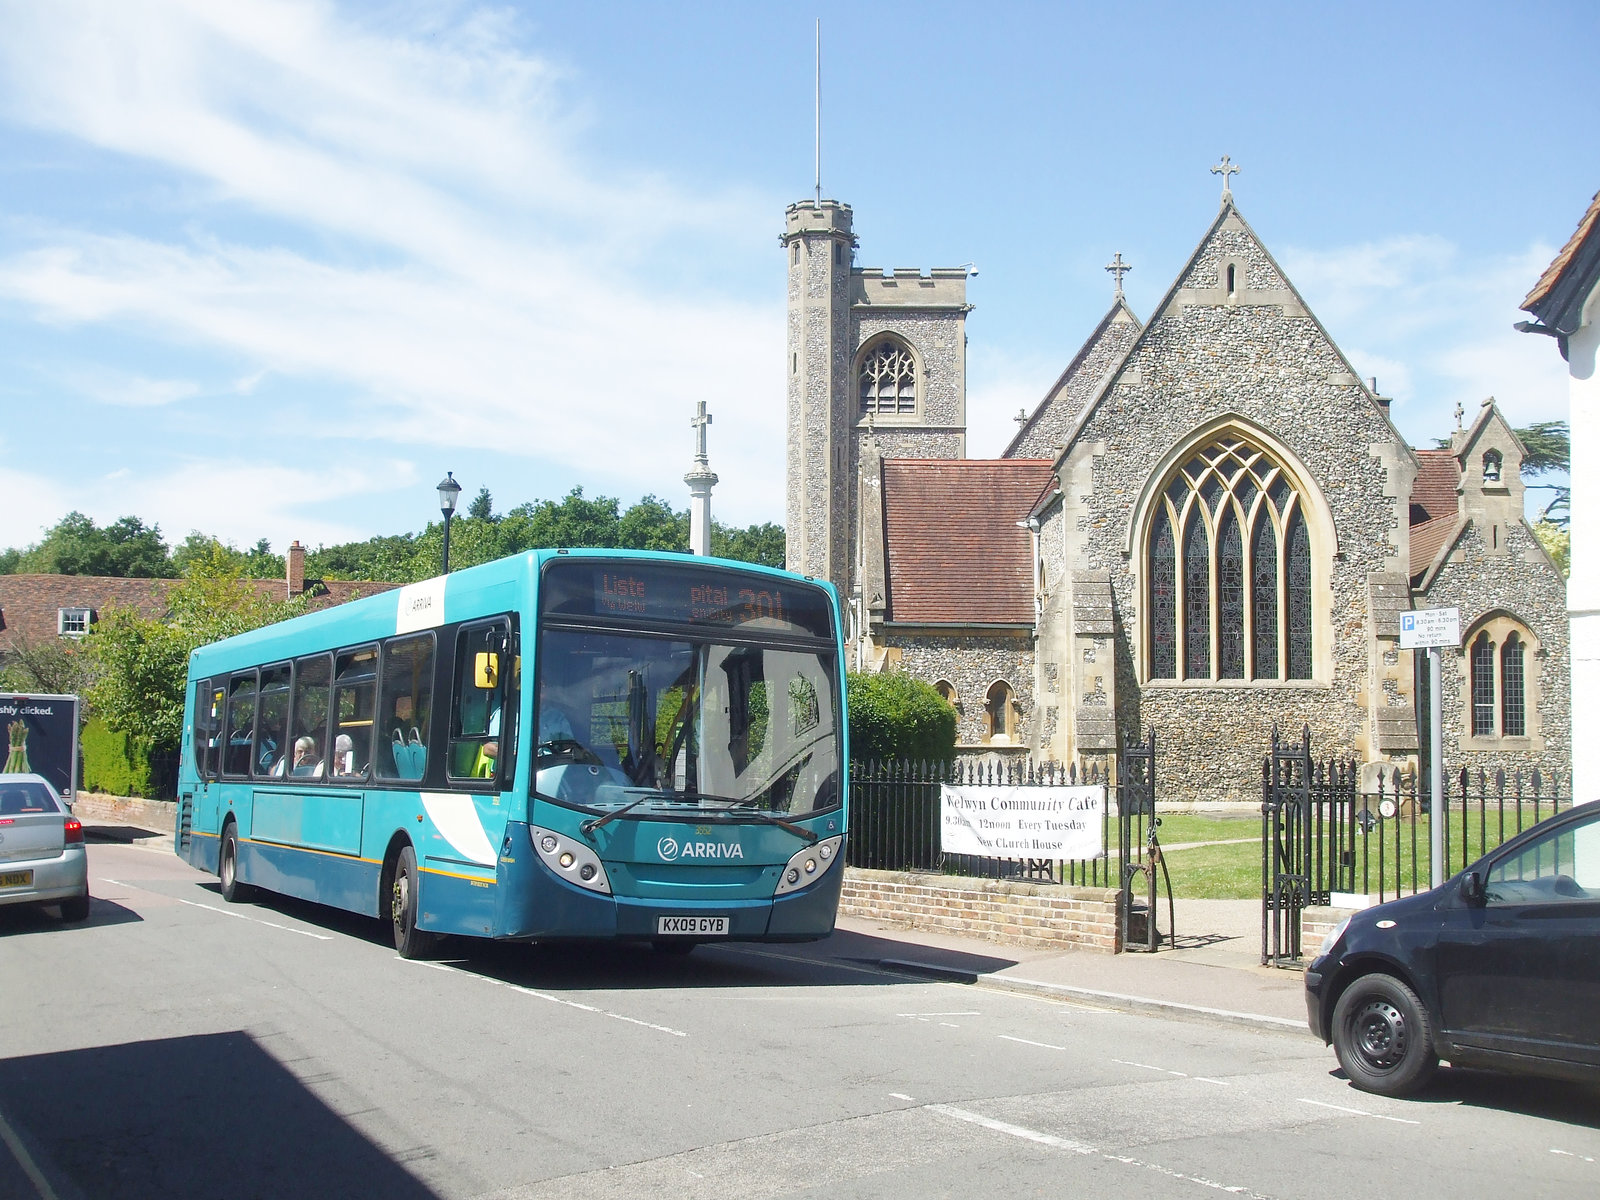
{"x": 1472, "y": 887}
{"x": 486, "y": 670}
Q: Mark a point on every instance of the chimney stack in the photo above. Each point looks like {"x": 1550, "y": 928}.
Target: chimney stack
{"x": 296, "y": 559}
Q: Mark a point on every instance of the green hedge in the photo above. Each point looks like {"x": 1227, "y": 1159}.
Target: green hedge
{"x": 895, "y": 716}
{"x": 113, "y": 762}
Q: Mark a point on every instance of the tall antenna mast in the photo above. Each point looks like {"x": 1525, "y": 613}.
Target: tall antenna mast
{"x": 819, "y": 111}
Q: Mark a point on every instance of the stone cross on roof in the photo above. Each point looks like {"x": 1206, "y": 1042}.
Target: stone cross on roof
{"x": 1460, "y": 412}
{"x": 701, "y": 419}
{"x": 1225, "y": 168}
{"x": 1118, "y": 268}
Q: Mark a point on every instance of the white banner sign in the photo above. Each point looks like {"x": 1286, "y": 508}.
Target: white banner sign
{"x": 1023, "y": 822}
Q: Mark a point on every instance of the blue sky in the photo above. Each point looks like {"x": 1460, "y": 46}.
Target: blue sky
{"x": 271, "y": 268}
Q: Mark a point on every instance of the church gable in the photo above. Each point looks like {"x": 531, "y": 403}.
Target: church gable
{"x": 1046, "y": 431}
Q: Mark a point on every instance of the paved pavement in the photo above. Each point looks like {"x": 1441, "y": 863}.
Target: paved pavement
{"x": 1211, "y": 972}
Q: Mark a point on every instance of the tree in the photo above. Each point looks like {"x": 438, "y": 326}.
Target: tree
{"x": 1549, "y": 450}
{"x": 55, "y": 667}
{"x": 482, "y": 506}
{"x": 893, "y": 715}
{"x": 651, "y": 524}
{"x": 142, "y": 662}
{"x": 763, "y": 544}
{"x": 75, "y": 545}
{"x": 259, "y": 562}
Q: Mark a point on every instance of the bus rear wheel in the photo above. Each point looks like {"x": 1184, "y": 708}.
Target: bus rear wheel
{"x": 409, "y": 941}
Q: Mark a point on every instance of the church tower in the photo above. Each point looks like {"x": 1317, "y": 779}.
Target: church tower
{"x": 818, "y": 246}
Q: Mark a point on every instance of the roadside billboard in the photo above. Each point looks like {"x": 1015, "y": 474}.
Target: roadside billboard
{"x": 41, "y": 736}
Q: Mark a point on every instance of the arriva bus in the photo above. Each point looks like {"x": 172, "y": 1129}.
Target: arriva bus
{"x": 560, "y": 744}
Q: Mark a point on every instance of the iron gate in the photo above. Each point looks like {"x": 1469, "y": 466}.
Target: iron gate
{"x": 1308, "y": 826}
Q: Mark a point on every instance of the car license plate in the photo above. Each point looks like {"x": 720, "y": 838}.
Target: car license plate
{"x": 13, "y": 879}
{"x": 692, "y": 926}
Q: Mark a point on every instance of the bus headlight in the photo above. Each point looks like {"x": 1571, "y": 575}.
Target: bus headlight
{"x": 571, "y": 859}
{"x": 808, "y": 865}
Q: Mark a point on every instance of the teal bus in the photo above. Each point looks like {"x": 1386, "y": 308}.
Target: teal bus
{"x": 560, "y": 744}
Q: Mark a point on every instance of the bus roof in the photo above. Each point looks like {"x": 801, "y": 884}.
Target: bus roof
{"x": 491, "y": 587}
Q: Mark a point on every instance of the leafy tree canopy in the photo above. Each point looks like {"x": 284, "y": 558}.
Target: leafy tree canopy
{"x": 75, "y": 545}
{"x": 893, "y": 715}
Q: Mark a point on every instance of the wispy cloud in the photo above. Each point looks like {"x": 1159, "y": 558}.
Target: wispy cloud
{"x": 398, "y": 215}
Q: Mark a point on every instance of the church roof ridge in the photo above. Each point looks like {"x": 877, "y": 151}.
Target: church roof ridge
{"x": 1119, "y": 304}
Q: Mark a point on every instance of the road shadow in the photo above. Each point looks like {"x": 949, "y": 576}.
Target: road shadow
{"x": 32, "y": 918}
{"x": 210, "y": 1115}
{"x": 1550, "y": 1099}
{"x": 122, "y": 835}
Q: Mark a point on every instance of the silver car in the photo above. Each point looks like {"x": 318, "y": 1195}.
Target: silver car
{"x": 42, "y": 855}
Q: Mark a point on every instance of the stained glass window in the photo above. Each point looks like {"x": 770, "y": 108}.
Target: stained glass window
{"x": 1196, "y": 599}
{"x": 1482, "y": 670}
{"x": 889, "y": 380}
{"x": 1297, "y": 566}
{"x": 1230, "y": 599}
{"x": 1163, "y": 602}
{"x": 1264, "y": 597}
{"x": 1513, "y": 700}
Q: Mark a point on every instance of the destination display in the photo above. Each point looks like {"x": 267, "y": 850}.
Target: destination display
{"x": 1023, "y": 821}
{"x": 633, "y": 591}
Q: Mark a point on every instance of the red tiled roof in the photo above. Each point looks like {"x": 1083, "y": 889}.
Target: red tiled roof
{"x": 1563, "y": 260}
{"x": 1438, "y": 477}
{"x": 29, "y": 603}
{"x": 956, "y": 554}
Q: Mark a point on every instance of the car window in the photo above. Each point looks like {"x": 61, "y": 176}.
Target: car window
{"x": 1558, "y": 868}
{"x": 25, "y": 797}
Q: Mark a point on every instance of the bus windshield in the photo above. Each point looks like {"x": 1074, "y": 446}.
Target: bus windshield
{"x": 699, "y": 719}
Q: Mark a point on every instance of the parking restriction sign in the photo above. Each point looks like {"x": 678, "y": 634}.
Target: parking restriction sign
{"x": 1427, "y": 627}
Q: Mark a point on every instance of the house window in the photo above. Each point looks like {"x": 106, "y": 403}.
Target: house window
{"x": 997, "y": 713}
{"x": 1499, "y": 700}
{"x": 1229, "y": 571}
{"x": 73, "y": 622}
{"x": 888, "y": 380}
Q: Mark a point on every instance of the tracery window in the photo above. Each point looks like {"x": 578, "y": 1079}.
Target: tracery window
{"x": 888, "y": 378}
{"x": 1497, "y": 680}
{"x": 1244, "y": 570}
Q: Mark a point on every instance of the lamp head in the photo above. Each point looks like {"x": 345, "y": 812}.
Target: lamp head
{"x": 449, "y": 491}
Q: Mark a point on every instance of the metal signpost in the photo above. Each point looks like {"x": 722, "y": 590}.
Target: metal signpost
{"x": 1429, "y": 629}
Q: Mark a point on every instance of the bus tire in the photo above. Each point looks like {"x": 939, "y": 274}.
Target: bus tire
{"x": 409, "y": 941}
{"x": 233, "y": 891}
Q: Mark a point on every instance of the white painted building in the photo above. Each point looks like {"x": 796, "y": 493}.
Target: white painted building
{"x": 1565, "y": 304}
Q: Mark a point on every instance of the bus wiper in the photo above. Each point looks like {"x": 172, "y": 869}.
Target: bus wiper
{"x": 594, "y": 823}
{"x": 747, "y": 809}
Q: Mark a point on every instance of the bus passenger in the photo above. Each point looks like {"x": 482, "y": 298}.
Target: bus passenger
{"x": 305, "y": 756}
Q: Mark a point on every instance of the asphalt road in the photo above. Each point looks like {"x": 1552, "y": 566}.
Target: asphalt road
{"x": 179, "y": 1046}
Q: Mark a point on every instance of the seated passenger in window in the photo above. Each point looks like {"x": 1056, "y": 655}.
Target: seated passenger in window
{"x": 305, "y": 756}
{"x": 344, "y": 756}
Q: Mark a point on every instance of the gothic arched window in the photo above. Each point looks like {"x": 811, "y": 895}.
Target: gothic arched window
{"x": 1229, "y": 537}
{"x": 888, "y": 379}
{"x": 997, "y": 712}
{"x": 1498, "y": 697}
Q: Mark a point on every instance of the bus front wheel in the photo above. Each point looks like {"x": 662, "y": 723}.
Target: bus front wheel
{"x": 228, "y": 867}
{"x": 409, "y": 941}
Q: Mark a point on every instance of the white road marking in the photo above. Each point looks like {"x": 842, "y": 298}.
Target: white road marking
{"x": 321, "y": 937}
{"x": 1049, "y": 1139}
{"x": 1179, "y": 1074}
{"x": 1042, "y": 1045}
{"x": 527, "y": 991}
{"x": 940, "y": 1014}
{"x": 1358, "y": 1112}
{"x": 1570, "y": 1154}
{"x": 25, "y": 1160}
{"x": 901, "y": 1096}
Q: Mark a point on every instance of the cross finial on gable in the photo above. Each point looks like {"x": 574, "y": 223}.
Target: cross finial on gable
{"x": 1225, "y": 168}
{"x": 1118, "y": 268}
{"x": 1460, "y": 412}
{"x": 1021, "y": 418}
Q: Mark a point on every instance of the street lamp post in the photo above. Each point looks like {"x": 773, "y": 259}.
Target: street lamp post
{"x": 449, "y": 491}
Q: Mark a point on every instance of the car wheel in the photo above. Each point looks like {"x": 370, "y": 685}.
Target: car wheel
{"x": 77, "y": 908}
{"x": 1382, "y": 1037}
{"x": 228, "y": 868}
{"x": 409, "y": 941}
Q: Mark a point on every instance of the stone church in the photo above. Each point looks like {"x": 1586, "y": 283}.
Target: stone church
{"x": 1208, "y": 526}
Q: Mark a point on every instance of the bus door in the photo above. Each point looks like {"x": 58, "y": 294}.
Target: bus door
{"x": 210, "y": 698}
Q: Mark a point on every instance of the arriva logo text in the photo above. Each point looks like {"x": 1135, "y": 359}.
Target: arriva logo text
{"x": 670, "y": 850}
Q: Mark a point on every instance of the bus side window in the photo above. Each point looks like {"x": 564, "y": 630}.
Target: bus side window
{"x": 241, "y": 724}
{"x": 309, "y": 719}
{"x": 484, "y": 669}
{"x": 405, "y": 707}
{"x": 355, "y": 679}
{"x": 272, "y": 722}
{"x": 207, "y": 719}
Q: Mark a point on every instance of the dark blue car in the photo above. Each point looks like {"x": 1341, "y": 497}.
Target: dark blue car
{"x": 1499, "y": 967}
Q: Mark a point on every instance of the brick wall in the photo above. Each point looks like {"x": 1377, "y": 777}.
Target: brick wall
{"x": 1317, "y": 923}
{"x": 1023, "y": 914}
